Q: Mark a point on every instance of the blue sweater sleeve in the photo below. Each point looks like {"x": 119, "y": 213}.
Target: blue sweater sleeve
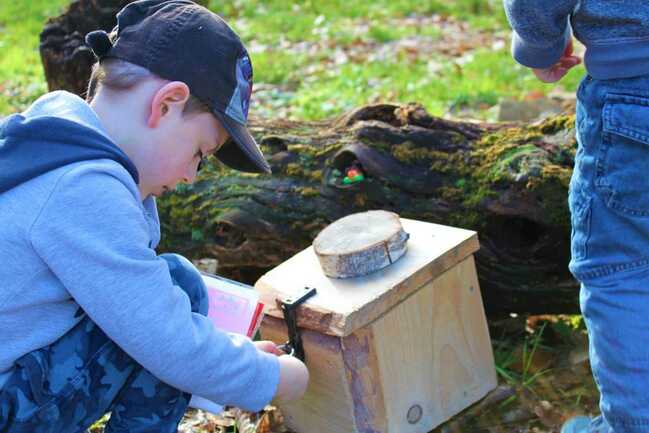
{"x": 541, "y": 30}
{"x": 94, "y": 237}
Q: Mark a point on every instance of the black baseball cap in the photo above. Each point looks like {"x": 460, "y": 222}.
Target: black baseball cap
{"x": 180, "y": 40}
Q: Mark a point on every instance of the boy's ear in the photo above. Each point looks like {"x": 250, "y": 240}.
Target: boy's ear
{"x": 167, "y": 99}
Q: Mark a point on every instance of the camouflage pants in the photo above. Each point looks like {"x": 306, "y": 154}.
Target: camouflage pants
{"x": 67, "y": 386}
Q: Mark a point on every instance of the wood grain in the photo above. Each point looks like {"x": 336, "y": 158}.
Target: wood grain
{"x": 434, "y": 351}
{"x": 327, "y": 402}
{"x": 360, "y": 244}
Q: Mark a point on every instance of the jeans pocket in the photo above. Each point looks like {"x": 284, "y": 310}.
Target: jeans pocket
{"x": 622, "y": 176}
{"x": 579, "y": 203}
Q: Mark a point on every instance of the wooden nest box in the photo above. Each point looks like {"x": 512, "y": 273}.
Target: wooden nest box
{"x": 400, "y": 350}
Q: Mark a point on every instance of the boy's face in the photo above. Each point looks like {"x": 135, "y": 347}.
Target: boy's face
{"x": 180, "y": 142}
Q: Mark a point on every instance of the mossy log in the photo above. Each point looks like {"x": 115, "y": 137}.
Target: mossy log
{"x": 507, "y": 182}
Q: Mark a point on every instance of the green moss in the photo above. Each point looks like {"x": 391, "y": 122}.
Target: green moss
{"x": 302, "y": 149}
{"x": 458, "y": 163}
{"x": 315, "y": 175}
{"x": 512, "y": 153}
{"x": 244, "y": 174}
{"x": 475, "y": 194}
{"x": 326, "y": 150}
{"x": 471, "y": 220}
{"x": 440, "y": 162}
{"x": 294, "y": 170}
{"x": 189, "y": 214}
{"x": 408, "y": 153}
{"x": 536, "y": 158}
{"x": 553, "y": 197}
{"x": 197, "y": 235}
{"x": 557, "y": 124}
{"x": 561, "y": 174}
{"x": 518, "y": 162}
{"x": 451, "y": 194}
{"x": 235, "y": 188}
{"x": 378, "y": 145}
{"x": 308, "y": 191}
{"x": 192, "y": 198}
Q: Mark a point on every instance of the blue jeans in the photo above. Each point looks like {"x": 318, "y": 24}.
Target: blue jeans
{"x": 67, "y": 386}
{"x": 609, "y": 204}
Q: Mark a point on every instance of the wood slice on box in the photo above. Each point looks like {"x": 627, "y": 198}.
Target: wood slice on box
{"x": 360, "y": 244}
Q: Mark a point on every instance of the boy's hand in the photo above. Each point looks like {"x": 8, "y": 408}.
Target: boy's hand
{"x": 269, "y": 347}
{"x": 557, "y": 71}
{"x": 293, "y": 379}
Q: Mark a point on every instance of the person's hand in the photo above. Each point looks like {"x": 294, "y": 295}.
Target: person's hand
{"x": 268, "y": 347}
{"x": 293, "y": 379}
{"x": 557, "y": 71}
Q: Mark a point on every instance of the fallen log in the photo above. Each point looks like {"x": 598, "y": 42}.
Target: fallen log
{"x": 509, "y": 183}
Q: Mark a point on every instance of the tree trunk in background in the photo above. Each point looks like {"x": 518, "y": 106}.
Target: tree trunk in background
{"x": 66, "y": 59}
{"x": 507, "y": 182}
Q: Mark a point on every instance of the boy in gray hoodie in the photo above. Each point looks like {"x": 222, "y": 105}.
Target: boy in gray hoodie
{"x": 609, "y": 190}
{"x": 92, "y": 319}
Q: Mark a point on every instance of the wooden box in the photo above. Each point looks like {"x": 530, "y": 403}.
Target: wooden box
{"x": 400, "y": 350}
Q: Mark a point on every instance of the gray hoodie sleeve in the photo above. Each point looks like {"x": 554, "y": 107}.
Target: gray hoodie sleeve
{"x": 541, "y": 30}
{"x": 94, "y": 237}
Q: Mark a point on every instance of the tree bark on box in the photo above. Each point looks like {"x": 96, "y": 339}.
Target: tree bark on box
{"x": 508, "y": 182}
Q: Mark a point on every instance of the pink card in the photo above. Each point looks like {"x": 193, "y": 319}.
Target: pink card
{"x": 233, "y": 307}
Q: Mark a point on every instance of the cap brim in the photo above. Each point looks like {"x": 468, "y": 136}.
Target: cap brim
{"x": 241, "y": 152}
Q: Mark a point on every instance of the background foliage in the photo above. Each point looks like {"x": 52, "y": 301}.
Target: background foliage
{"x": 316, "y": 59}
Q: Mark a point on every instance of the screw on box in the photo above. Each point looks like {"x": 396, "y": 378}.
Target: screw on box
{"x": 289, "y": 307}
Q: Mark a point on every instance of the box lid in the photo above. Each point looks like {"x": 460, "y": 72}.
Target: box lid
{"x": 343, "y": 305}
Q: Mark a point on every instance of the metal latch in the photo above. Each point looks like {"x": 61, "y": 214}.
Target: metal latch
{"x": 289, "y": 307}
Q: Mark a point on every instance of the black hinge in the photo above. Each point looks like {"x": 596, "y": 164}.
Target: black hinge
{"x": 289, "y": 307}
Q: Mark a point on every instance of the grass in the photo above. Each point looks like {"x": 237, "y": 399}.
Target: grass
{"x": 504, "y": 359}
{"x": 21, "y": 73}
{"x": 301, "y": 20}
{"x": 320, "y": 59}
{"x": 480, "y": 82}
{"x": 319, "y": 85}
{"x": 524, "y": 360}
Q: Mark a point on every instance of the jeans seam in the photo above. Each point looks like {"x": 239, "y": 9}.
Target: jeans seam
{"x": 613, "y": 97}
{"x": 581, "y": 217}
{"x": 600, "y": 168}
{"x": 603, "y": 271}
{"x": 632, "y": 134}
{"x": 628, "y": 421}
{"x": 614, "y": 204}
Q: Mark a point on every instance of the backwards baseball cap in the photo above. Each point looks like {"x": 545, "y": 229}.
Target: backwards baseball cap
{"x": 180, "y": 40}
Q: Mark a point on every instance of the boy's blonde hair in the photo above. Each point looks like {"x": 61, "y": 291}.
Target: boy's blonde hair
{"x": 120, "y": 75}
